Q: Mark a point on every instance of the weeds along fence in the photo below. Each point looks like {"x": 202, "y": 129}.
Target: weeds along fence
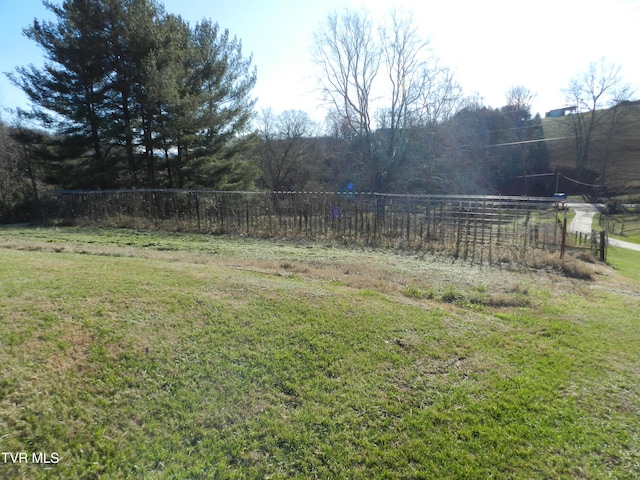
{"x": 483, "y": 229}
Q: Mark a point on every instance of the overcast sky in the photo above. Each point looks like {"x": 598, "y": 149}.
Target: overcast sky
{"x": 491, "y": 45}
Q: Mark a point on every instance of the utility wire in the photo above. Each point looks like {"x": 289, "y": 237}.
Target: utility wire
{"x": 528, "y": 141}
{"x": 558, "y": 174}
{"x": 579, "y": 183}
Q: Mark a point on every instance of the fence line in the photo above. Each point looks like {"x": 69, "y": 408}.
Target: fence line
{"x": 482, "y": 229}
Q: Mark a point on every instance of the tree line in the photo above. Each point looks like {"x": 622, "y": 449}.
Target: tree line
{"x": 134, "y": 97}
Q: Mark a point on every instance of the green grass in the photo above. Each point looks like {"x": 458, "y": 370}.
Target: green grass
{"x": 627, "y": 262}
{"x": 149, "y": 355}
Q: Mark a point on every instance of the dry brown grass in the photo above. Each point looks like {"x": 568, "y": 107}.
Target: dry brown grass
{"x": 415, "y": 276}
{"x": 622, "y": 174}
{"x": 580, "y": 266}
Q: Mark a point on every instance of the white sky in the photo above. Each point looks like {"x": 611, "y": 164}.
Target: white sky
{"x": 491, "y": 45}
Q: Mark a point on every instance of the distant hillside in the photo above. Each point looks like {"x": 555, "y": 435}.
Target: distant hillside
{"x": 619, "y": 175}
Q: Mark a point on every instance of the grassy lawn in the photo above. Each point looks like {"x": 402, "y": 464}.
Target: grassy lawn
{"x": 147, "y": 355}
{"x": 627, "y": 262}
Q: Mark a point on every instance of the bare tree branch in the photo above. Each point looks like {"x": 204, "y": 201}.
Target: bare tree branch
{"x": 600, "y": 86}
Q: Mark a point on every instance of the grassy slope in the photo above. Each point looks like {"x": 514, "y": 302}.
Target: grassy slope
{"x": 159, "y": 356}
{"x": 622, "y": 173}
{"x": 627, "y": 262}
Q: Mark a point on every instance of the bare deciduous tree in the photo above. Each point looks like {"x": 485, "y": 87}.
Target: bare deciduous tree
{"x": 286, "y": 143}
{"x": 524, "y": 134}
{"x": 518, "y": 105}
{"x": 442, "y": 96}
{"x": 349, "y": 58}
{"x": 405, "y": 54}
{"x": 398, "y": 67}
{"x": 600, "y": 86}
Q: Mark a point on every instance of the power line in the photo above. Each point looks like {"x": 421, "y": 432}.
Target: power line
{"x": 517, "y": 128}
{"x": 538, "y": 175}
{"x": 528, "y": 141}
{"x": 578, "y": 182}
{"x": 558, "y": 174}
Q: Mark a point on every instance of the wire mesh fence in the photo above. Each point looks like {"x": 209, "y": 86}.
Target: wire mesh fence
{"x": 483, "y": 229}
